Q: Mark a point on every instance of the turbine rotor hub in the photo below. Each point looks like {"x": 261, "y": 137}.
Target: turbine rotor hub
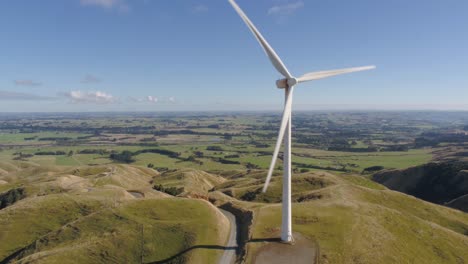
{"x": 286, "y": 83}
{"x": 292, "y": 81}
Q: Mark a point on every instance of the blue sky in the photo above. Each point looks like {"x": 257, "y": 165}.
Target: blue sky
{"x": 161, "y": 55}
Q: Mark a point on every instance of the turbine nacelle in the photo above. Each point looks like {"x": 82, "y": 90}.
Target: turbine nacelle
{"x": 286, "y": 83}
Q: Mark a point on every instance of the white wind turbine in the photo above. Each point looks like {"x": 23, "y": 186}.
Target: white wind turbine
{"x": 288, "y": 84}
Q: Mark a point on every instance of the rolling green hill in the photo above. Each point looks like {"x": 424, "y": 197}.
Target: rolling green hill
{"x": 112, "y": 213}
{"x": 190, "y": 182}
{"x": 357, "y": 221}
{"x": 89, "y": 215}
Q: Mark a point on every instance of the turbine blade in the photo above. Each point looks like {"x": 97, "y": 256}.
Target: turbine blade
{"x": 274, "y": 58}
{"x": 325, "y": 74}
{"x": 284, "y": 123}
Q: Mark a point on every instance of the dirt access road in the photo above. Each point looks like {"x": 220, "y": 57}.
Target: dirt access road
{"x": 229, "y": 254}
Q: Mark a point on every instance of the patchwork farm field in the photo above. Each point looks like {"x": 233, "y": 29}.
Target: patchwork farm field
{"x": 215, "y": 142}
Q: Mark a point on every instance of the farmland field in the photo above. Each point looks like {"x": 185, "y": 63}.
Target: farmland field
{"x": 334, "y": 142}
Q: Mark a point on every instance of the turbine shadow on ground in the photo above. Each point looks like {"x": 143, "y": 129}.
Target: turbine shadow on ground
{"x": 269, "y": 239}
{"x": 214, "y": 247}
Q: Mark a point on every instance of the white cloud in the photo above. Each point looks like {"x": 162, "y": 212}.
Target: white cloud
{"x": 152, "y": 99}
{"x": 27, "y": 83}
{"x": 90, "y": 79}
{"x": 285, "y": 9}
{"x": 108, "y": 4}
{"x": 97, "y": 97}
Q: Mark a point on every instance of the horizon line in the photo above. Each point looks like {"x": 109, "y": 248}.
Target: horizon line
{"x": 236, "y": 111}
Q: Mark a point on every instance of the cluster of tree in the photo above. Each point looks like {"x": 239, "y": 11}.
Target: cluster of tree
{"x": 12, "y": 196}
{"x": 124, "y": 156}
{"x": 193, "y": 159}
{"x": 198, "y": 154}
{"x": 151, "y": 139}
{"x": 421, "y": 142}
{"x": 127, "y": 156}
{"x": 250, "y": 195}
{"x": 174, "y": 191}
{"x": 93, "y": 151}
{"x": 224, "y": 161}
{"x": 50, "y": 153}
{"x": 214, "y": 148}
{"x": 395, "y": 148}
{"x": 55, "y": 138}
{"x": 372, "y": 169}
{"x": 433, "y": 139}
{"x": 159, "y": 169}
{"x": 310, "y": 166}
{"x": 165, "y": 152}
{"x": 251, "y": 166}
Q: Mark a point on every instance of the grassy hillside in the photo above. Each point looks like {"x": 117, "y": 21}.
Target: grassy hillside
{"x": 189, "y": 181}
{"x": 248, "y": 186}
{"x": 86, "y": 215}
{"x": 92, "y": 215}
{"x": 148, "y": 230}
{"x": 356, "y": 224}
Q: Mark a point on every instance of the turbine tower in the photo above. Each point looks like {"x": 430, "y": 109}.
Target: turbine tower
{"x": 288, "y": 84}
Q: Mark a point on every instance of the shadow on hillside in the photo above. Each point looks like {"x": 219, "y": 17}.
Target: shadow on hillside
{"x": 180, "y": 254}
{"x": 214, "y": 247}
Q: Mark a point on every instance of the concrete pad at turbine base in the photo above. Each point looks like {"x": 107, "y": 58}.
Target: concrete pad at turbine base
{"x": 302, "y": 251}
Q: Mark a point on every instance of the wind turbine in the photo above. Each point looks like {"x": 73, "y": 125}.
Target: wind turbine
{"x": 288, "y": 84}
